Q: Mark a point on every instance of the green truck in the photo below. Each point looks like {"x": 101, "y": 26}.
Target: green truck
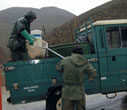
{"x": 105, "y": 46}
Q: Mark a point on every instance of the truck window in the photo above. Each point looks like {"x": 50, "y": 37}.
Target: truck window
{"x": 124, "y": 36}
{"x": 91, "y": 42}
{"x": 113, "y": 37}
{"x": 86, "y": 37}
{"x": 116, "y": 37}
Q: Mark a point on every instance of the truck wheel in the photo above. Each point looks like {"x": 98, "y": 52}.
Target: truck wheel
{"x": 59, "y": 104}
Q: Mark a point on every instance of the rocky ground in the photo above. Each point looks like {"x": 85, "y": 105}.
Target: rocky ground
{"x": 94, "y": 102}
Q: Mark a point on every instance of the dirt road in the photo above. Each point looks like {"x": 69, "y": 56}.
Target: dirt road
{"x": 94, "y": 102}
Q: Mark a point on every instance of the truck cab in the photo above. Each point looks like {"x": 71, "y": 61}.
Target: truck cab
{"x": 108, "y": 38}
{"x": 105, "y": 46}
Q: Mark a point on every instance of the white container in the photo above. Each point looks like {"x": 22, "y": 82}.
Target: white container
{"x": 38, "y": 50}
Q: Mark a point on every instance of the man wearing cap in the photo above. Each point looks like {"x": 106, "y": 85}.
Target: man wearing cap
{"x": 74, "y": 68}
{"x": 20, "y": 33}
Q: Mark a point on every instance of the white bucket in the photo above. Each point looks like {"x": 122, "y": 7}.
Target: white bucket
{"x": 38, "y": 50}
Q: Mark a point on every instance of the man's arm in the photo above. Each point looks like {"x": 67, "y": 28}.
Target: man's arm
{"x": 21, "y": 28}
{"x": 90, "y": 71}
{"x": 59, "y": 67}
{"x": 26, "y": 35}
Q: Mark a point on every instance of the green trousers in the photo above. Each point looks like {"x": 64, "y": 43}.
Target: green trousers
{"x": 73, "y": 104}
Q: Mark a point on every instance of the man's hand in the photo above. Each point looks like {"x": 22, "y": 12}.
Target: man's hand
{"x": 31, "y": 42}
{"x": 34, "y": 38}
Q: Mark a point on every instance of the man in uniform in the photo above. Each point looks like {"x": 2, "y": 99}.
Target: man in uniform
{"x": 74, "y": 68}
{"x": 19, "y": 35}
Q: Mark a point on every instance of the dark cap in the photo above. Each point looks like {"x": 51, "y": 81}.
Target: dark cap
{"x": 77, "y": 50}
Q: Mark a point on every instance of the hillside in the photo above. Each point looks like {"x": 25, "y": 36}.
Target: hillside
{"x": 49, "y": 17}
{"x": 115, "y": 9}
{"x": 45, "y": 16}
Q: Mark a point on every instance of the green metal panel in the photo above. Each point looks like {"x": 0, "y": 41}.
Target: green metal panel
{"x": 93, "y": 87}
{"x": 123, "y": 81}
{"x": 110, "y": 84}
{"x": 33, "y": 79}
{"x": 113, "y": 82}
{"x": 121, "y": 60}
{"x": 116, "y": 67}
{"x": 102, "y": 56}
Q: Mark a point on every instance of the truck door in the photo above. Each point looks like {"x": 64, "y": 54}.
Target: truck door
{"x": 115, "y": 79}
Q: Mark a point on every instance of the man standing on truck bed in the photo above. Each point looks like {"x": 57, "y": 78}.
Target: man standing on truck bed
{"x": 19, "y": 35}
{"x": 73, "y": 68}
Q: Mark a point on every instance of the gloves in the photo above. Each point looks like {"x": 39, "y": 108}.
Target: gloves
{"x": 34, "y": 38}
{"x": 26, "y": 35}
{"x": 31, "y": 42}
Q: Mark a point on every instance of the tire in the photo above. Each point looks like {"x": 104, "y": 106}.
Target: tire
{"x": 54, "y": 101}
{"x": 59, "y": 104}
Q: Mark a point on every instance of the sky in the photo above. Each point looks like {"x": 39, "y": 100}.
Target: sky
{"x": 76, "y": 7}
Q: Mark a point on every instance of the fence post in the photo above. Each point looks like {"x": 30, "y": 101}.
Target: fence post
{"x": 0, "y": 90}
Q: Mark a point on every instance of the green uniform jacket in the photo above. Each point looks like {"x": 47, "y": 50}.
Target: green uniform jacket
{"x": 74, "y": 68}
{"x": 16, "y": 41}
